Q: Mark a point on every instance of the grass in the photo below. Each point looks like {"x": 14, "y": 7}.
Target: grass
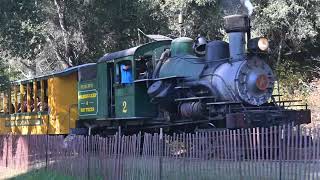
{"x": 175, "y": 168}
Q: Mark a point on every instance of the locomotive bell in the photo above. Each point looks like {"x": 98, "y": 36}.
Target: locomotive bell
{"x": 199, "y": 46}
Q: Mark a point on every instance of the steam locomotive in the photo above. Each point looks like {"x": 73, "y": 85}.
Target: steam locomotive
{"x": 197, "y": 84}
{"x": 221, "y": 82}
{"x": 181, "y": 84}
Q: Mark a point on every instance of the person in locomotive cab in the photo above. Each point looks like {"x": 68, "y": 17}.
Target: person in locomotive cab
{"x": 126, "y": 74}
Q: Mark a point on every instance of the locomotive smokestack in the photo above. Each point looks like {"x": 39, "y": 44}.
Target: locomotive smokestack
{"x": 237, "y": 26}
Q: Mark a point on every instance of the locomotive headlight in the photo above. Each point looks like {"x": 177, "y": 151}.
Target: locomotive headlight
{"x": 258, "y": 45}
{"x": 263, "y": 44}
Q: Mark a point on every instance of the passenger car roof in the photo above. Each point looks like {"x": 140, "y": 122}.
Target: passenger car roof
{"x": 64, "y": 72}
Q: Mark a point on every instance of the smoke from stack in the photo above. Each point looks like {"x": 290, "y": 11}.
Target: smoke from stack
{"x": 248, "y": 5}
{"x": 231, "y": 7}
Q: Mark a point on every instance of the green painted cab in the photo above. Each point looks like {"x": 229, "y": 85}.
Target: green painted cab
{"x": 129, "y": 100}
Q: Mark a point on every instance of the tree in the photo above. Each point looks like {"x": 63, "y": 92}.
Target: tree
{"x": 20, "y": 33}
{"x": 6, "y": 74}
{"x": 200, "y": 17}
{"x": 44, "y": 36}
{"x": 4, "y": 79}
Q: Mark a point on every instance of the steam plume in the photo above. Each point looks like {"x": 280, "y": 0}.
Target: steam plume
{"x": 248, "y": 5}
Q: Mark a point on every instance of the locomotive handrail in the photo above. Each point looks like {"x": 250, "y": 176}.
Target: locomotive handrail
{"x": 200, "y": 62}
{"x": 158, "y": 79}
{"x": 289, "y": 101}
{"x": 223, "y": 103}
{"x": 125, "y": 118}
{"x": 269, "y": 108}
{"x": 194, "y": 98}
{"x": 142, "y": 80}
{"x": 277, "y": 95}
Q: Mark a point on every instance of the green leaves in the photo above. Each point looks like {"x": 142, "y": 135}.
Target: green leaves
{"x": 200, "y": 17}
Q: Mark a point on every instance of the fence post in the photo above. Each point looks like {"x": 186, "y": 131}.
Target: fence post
{"x": 161, "y": 153}
{"x": 280, "y": 137}
{"x": 7, "y": 150}
{"x": 47, "y": 144}
{"x": 89, "y": 151}
{"x": 240, "y": 152}
{"x": 118, "y": 154}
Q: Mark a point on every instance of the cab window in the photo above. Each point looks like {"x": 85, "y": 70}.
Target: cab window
{"x": 146, "y": 63}
{"x": 144, "y": 67}
{"x": 124, "y": 72}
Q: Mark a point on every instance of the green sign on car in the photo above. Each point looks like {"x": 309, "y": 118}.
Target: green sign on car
{"x": 88, "y": 100}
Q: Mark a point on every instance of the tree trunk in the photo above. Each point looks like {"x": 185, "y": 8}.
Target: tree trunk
{"x": 279, "y": 53}
{"x": 66, "y": 61}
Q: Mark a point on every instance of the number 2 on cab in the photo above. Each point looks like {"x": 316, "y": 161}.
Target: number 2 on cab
{"x": 124, "y": 107}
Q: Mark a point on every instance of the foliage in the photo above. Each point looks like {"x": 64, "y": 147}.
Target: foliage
{"x": 6, "y": 74}
{"x": 313, "y": 101}
{"x": 20, "y": 31}
{"x": 38, "y": 37}
{"x": 43, "y": 36}
{"x": 4, "y": 78}
{"x": 200, "y": 17}
{"x": 292, "y": 80}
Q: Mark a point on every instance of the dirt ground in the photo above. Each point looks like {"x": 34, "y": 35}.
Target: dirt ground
{"x": 6, "y": 173}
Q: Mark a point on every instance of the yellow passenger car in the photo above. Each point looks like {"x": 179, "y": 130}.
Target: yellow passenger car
{"x": 42, "y": 105}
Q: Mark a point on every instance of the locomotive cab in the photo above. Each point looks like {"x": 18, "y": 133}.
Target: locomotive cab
{"x": 120, "y": 87}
